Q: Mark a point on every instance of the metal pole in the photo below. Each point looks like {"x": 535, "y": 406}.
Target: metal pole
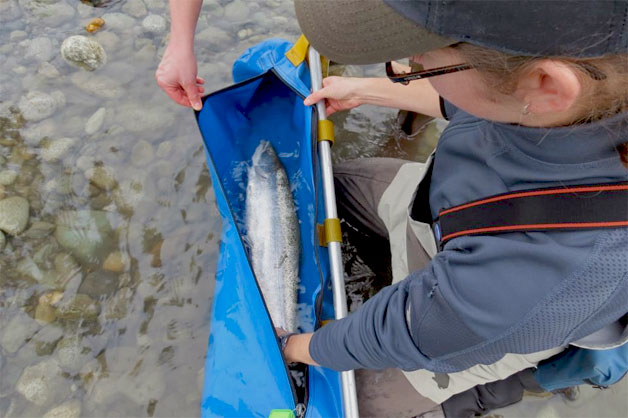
{"x": 349, "y": 394}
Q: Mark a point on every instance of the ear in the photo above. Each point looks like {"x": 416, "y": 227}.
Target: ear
{"x": 549, "y": 87}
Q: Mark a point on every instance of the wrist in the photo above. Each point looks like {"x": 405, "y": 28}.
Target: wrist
{"x": 297, "y": 349}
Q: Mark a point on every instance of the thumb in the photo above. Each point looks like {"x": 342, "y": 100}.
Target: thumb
{"x": 193, "y": 96}
{"x": 314, "y": 98}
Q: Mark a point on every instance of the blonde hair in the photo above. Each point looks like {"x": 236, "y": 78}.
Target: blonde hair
{"x": 604, "y": 79}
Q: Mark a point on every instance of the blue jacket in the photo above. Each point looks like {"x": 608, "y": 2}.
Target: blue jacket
{"x": 485, "y": 296}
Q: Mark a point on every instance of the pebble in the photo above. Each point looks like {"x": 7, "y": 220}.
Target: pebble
{"x": 108, "y": 40}
{"x": 83, "y": 232}
{"x": 117, "y": 262}
{"x": 41, "y": 382}
{"x": 154, "y": 24}
{"x": 19, "y": 329}
{"x": 72, "y": 354}
{"x": 142, "y": 153}
{"x": 71, "y": 409}
{"x": 16, "y": 35}
{"x": 81, "y": 307}
{"x": 40, "y": 49}
{"x": 13, "y": 214}
{"x": 45, "y": 314}
{"x": 83, "y": 52}
{"x": 236, "y": 11}
{"x": 56, "y": 149}
{"x": 95, "y": 121}
{"x": 35, "y": 133}
{"x": 135, "y": 8}
{"x": 39, "y": 230}
{"x": 28, "y": 268}
{"x": 3, "y": 241}
{"x": 48, "y": 70}
{"x": 119, "y": 21}
{"x": 102, "y": 177}
{"x": 165, "y": 149}
{"x": 36, "y": 105}
{"x": 7, "y": 177}
{"x": 95, "y": 25}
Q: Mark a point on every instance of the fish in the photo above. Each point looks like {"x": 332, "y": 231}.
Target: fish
{"x": 273, "y": 235}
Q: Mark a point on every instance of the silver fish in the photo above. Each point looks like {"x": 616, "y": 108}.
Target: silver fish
{"x": 273, "y": 235}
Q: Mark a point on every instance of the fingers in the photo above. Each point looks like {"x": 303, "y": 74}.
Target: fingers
{"x": 315, "y": 97}
{"x": 193, "y": 95}
{"x": 200, "y": 80}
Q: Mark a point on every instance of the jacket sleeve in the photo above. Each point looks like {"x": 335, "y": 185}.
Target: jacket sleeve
{"x": 464, "y": 299}
{"x": 377, "y": 335}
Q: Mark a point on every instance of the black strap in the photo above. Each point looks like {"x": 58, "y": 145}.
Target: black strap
{"x": 556, "y": 208}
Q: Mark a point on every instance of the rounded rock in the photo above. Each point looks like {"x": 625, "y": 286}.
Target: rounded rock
{"x": 7, "y": 177}
{"x": 71, "y": 409}
{"x": 37, "y": 106}
{"x": 13, "y": 214}
{"x": 95, "y": 121}
{"x": 154, "y": 24}
{"x": 82, "y": 52}
{"x": 39, "y": 383}
{"x": 56, "y": 149}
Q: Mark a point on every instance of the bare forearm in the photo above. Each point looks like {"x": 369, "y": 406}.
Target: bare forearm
{"x": 418, "y": 96}
{"x": 183, "y": 17}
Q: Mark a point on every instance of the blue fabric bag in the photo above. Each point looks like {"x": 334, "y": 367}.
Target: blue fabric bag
{"x": 578, "y": 366}
{"x": 245, "y": 374}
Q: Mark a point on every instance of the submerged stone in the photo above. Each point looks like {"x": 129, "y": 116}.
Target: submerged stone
{"x": 13, "y": 214}
{"x": 83, "y": 52}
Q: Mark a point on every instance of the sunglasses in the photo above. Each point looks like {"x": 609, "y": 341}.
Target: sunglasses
{"x": 405, "y": 78}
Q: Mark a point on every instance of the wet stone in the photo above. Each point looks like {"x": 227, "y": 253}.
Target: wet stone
{"x": 46, "y": 340}
{"x": 3, "y": 241}
{"x": 39, "y": 230}
{"x": 51, "y": 13}
{"x": 83, "y": 52}
{"x": 135, "y": 8}
{"x": 237, "y": 11}
{"x": 102, "y": 177}
{"x": 80, "y": 307}
{"x": 56, "y": 149}
{"x": 36, "y": 106}
{"x": 95, "y": 121}
{"x": 19, "y": 329}
{"x": 118, "y": 21}
{"x": 98, "y": 85}
{"x": 42, "y": 383}
{"x": 7, "y": 177}
{"x": 72, "y": 354}
{"x": 142, "y": 153}
{"x": 154, "y": 24}
{"x": 13, "y": 214}
{"x": 99, "y": 283}
{"x": 84, "y": 233}
{"x": 70, "y": 409}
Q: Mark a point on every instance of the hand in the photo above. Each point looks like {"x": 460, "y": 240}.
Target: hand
{"x": 177, "y": 76}
{"x": 297, "y": 348}
{"x": 340, "y": 93}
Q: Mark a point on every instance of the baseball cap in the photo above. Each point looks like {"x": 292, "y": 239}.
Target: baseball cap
{"x": 372, "y": 31}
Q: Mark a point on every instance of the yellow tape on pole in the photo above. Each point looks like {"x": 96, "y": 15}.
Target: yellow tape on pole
{"x": 332, "y": 230}
{"x": 296, "y": 55}
{"x": 326, "y": 131}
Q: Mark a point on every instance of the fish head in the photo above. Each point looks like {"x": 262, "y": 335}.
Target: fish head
{"x": 265, "y": 161}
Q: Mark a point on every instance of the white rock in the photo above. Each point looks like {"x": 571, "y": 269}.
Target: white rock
{"x": 82, "y": 52}
{"x": 19, "y": 329}
{"x": 13, "y": 214}
{"x": 40, "y": 383}
{"x": 57, "y": 149}
{"x": 135, "y": 8}
{"x": 118, "y": 21}
{"x": 154, "y": 24}
{"x": 40, "y": 49}
{"x": 237, "y": 11}
{"x": 98, "y": 85}
{"x": 7, "y": 177}
{"x": 16, "y": 35}
{"x": 37, "y": 106}
{"x": 95, "y": 121}
{"x": 71, "y": 409}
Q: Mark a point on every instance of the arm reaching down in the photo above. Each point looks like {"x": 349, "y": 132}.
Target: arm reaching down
{"x": 177, "y": 71}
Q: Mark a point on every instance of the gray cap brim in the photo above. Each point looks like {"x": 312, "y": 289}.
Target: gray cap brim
{"x": 363, "y": 31}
